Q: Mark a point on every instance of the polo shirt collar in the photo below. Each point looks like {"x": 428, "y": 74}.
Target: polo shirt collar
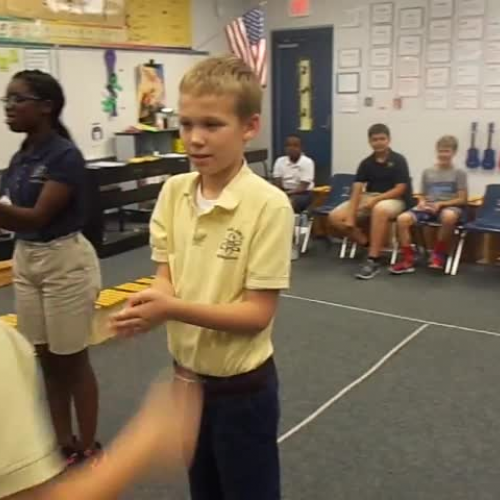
{"x": 231, "y": 195}
{"x": 291, "y": 162}
{"x": 390, "y": 157}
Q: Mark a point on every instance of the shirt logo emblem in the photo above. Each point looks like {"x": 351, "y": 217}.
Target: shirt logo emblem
{"x": 39, "y": 174}
{"x": 230, "y": 248}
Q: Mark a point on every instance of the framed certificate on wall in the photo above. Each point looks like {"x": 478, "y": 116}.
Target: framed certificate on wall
{"x": 411, "y": 18}
{"x": 348, "y": 83}
{"x": 382, "y": 13}
{"x": 380, "y": 79}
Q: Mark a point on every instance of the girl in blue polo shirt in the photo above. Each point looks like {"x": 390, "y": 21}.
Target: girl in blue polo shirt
{"x": 56, "y": 270}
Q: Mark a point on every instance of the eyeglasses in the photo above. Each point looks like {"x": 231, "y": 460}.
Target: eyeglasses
{"x": 19, "y": 99}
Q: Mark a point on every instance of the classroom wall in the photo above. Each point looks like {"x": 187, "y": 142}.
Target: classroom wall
{"x": 415, "y": 129}
{"x": 83, "y": 75}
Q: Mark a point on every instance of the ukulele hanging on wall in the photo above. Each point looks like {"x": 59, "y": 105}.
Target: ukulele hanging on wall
{"x": 489, "y": 158}
{"x": 473, "y": 160}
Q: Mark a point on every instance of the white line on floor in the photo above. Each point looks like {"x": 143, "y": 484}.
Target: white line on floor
{"x": 390, "y": 315}
{"x": 377, "y": 366}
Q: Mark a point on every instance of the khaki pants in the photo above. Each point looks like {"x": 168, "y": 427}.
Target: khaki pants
{"x": 56, "y": 284}
{"x": 392, "y": 207}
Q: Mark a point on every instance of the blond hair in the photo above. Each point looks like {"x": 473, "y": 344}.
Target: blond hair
{"x": 223, "y": 76}
{"x": 447, "y": 142}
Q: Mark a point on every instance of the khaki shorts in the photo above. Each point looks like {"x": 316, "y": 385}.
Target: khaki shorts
{"x": 56, "y": 284}
{"x": 392, "y": 207}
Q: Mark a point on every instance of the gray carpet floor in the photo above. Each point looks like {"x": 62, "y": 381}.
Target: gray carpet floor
{"x": 424, "y": 426}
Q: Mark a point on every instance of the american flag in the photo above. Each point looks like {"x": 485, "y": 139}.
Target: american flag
{"x": 247, "y": 41}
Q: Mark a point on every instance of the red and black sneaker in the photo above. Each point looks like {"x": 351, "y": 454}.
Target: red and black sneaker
{"x": 403, "y": 267}
{"x": 438, "y": 261}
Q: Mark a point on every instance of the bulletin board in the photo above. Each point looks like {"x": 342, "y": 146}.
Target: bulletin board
{"x": 100, "y": 12}
{"x": 118, "y": 23}
{"x": 159, "y": 22}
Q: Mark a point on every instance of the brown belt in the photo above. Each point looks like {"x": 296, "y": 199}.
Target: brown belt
{"x": 244, "y": 383}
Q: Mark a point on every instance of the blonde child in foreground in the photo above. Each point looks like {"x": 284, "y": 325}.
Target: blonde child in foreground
{"x": 222, "y": 237}
{"x": 444, "y": 197}
{"x": 161, "y": 436}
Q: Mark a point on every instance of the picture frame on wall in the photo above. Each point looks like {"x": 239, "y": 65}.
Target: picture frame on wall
{"x": 493, "y": 52}
{"x": 381, "y": 57}
{"x": 348, "y": 83}
{"x": 436, "y": 99}
{"x": 439, "y": 52}
{"x": 382, "y": 13}
{"x": 468, "y": 51}
{"x": 408, "y": 87}
{"x": 437, "y": 78}
{"x": 440, "y": 30}
{"x": 470, "y": 8}
{"x": 470, "y": 28}
{"x": 467, "y": 75}
{"x": 381, "y": 35}
{"x": 409, "y": 67}
{"x": 380, "y": 79}
{"x": 441, "y": 9}
{"x": 349, "y": 58}
{"x": 410, "y": 45}
{"x": 493, "y": 29}
{"x": 411, "y": 18}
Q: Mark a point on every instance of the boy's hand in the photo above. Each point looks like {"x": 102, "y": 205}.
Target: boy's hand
{"x": 370, "y": 203}
{"x": 437, "y": 207}
{"x": 168, "y": 423}
{"x": 143, "y": 312}
{"x": 350, "y": 221}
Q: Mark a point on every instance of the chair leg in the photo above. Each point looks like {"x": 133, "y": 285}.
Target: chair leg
{"x": 395, "y": 246}
{"x": 343, "y": 248}
{"x": 449, "y": 263}
{"x": 451, "y": 256}
{"x": 307, "y": 236}
{"x": 354, "y": 249}
{"x": 458, "y": 253}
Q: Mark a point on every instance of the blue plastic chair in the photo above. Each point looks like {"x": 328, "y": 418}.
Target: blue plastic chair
{"x": 487, "y": 221}
{"x": 340, "y": 191}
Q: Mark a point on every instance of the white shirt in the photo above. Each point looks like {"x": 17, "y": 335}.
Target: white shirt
{"x": 202, "y": 203}
{"x": 293, "y": 173}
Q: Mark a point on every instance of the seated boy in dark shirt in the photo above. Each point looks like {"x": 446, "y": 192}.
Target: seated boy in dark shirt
{"x": 381, "y": 192}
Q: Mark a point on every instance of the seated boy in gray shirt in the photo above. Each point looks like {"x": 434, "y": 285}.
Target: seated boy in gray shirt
{"x": 444, "y": 197}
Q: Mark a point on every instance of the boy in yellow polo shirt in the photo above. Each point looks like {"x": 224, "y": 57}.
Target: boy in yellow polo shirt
{"x": 222, "y": 239}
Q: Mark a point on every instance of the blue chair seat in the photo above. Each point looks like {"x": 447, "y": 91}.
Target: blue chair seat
{"x": 482, "y": 226}
{"x": 487, "y": 221}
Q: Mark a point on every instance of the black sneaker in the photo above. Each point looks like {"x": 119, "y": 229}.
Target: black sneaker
{"x": 93, "y": 454}
{"x": 76, "y": 457}
{"x": 69, "y": 451}
{"x": 368, "y": 270}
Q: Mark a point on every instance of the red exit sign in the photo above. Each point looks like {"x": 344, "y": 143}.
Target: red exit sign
{"x": 299, "y": 8}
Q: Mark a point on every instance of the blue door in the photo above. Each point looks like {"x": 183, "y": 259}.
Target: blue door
{"x": 302, "y": 66}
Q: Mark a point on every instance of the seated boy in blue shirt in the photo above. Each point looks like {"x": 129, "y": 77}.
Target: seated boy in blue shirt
{"x": 444, "y": 190}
